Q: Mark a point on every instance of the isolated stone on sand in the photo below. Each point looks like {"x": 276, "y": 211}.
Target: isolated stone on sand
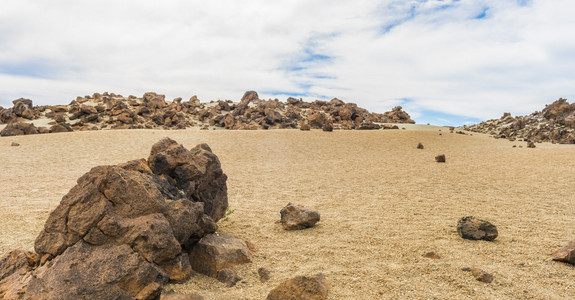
{"x": 440, "y": 158}
{"x": 124, "y": 231}
{"x": 301, "y": 287}
{"x": 419, "y": 146}
{"x": 479, "y": 274}
{"x": 296, "y": 217}
{"x": 565, "y": 253}
{"x": 472, "y": 228}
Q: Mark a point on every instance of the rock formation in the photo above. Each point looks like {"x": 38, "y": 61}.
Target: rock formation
{"x": 565, "y": 253}
{"x": 123, "y": 231}
{"x": 152, "y": 111}
{"x": 555, "y": 123}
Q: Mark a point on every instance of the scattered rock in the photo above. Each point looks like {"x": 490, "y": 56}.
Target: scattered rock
{"x": 530, "y": 144}
{"x": 228, "y": 276}
{"x": 14, "y": 144}
{"x": 301, "y": 287}
{"x": 295, "y": 217}
{"x": 473, "y": 228}
{"x": 218, "y": 251}
{"x": 431, "y": 255}
{"x": 128, "y": 228}
{"x": 265, "y": 274}
{"x": 419, "y": 146}
{"x": 565, "y": 253}
{"x": 479, "y": 274}
{"x": 305, "y": 127}
{"x": 440, "y": 158}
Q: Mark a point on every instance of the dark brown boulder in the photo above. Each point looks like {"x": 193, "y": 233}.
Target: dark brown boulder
{"x": 440, "y": 158}
{"x": 419, "y": 146}
{"x": 61, "y": 127}
{"x": 228, "y": 276}
{"x": 296, "y": 217}
{"x": 247, "y": 98}
{"x": 327, "y": 127}
{"x": 530, "y": 144}
{"x": 218, "y": 251}
{"x": 565, "y": 253}
{"x": 19, "y": 128}
{"x": 473, "y": 228}
{"x": 154, "y": 101}
{"x": 123, "y": 231}
{"x": 316, "y": 119}
{"x": 301, "y": 287}
{"x": 23, "y": 108}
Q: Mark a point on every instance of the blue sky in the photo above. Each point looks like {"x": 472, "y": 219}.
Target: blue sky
{"x": 447, "y": 62}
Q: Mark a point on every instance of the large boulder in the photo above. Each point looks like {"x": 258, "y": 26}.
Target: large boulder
{"x": 301, "y": 287}
{"x": 123, "y": 231}
{"x": 23, "y": 108}
{"x": 19, "y": 128}
{"x": 296, "y": 217}
{"x": 472, "y": 228}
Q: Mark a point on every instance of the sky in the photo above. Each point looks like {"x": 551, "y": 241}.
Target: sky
{"x": 446, "y": 62}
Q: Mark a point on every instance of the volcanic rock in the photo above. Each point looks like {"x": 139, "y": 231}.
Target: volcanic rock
{"x": 419, "y": 146}
{"x": 14, "y": 144}
{"x": 228, "y": 276}
{"x": 123, "y": 231}
{"x": 565, "y": 253}
{"x": 218, "y": 251}
{"x": 18, "y": 128}
{"x": 295, "y": 217}
{"x": 479, "y": 274}
{"x": 440, "y": 158}
{"x": 473, "y": 228}
{"x": 301, "y": 287}
{"x": 327, "y": 127}
{"x": 265, "y": 274}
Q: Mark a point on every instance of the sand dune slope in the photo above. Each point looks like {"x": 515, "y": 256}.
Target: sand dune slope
{"x": 383, "y": 204}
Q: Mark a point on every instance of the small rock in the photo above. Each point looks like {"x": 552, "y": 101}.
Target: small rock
{"x": 265, "y": 274}
{"x": 295, "y": 217}
{"x": 301, "y": 287}
{"x": 229, "y": 277}
{"x": 479, "y": 274}
{"x": 420, "y": 146}
{"x": 565, "y": 253}
{"x": 473, "y": 228}
{"x": 431, "y": 255}
{"x": 530, "y": 144}
{"x": 14, "y": 144}
{"x": 440, "y": 158}
{"x": 218, "y": 251}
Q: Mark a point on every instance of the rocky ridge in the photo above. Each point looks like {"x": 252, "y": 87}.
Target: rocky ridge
{"x": 152, "y": 111}
{"x": 555, "y": 123}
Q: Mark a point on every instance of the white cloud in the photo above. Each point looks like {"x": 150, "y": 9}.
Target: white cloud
{"x": 375, "y": 53}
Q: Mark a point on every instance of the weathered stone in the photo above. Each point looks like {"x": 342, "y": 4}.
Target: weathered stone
{"x": 14, "y": 144}
{"x": 479, "y": 274}
{"x": 18, "y": 128}
{"x": 295, "y": 217}
{"x": 565, "y": 253}
{"x": 265, "y": 274}
{"x": 419, "y": 146}
{"x": 440, "y": 158}
{"x": 228, "y": 276}
{"x": 218, "y": 251}
{"x": 301, "y": 287}
{"x": 473, "y": 228}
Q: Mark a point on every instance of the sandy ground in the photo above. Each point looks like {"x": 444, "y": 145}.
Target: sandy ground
{"x": 383, "y": 204}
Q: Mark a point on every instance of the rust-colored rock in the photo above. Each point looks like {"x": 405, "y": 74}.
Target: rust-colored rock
{"x": 301, "y": 287}
{"x": 296, "y": 217}
{"x": 472, "y": 228}
{"x": 565, "y": 253}
{"x": 218, "y": 251}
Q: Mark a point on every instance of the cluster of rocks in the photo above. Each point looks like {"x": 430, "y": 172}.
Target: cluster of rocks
{"x": 124, "y": 231}
{"x": 555, "y": 123}
{"x": 152, "y": 111}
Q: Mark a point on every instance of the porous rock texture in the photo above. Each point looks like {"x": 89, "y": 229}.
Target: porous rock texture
{"x": 123, "y": 231}
{"x": 472, "y": 228}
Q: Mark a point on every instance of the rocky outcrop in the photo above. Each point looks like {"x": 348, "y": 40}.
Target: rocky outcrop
{"x": 123, "y": 231}
{"x": 301, "y": 287}
{"x": 153, "y": 111}
{"x": 472, "y": 228}
{"x": 555, "y": 123}
{"x": 296, "y": 217}
{"x": 19, "y": 128}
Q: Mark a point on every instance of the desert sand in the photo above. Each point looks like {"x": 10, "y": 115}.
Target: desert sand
{"x": 383, "y": 205}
